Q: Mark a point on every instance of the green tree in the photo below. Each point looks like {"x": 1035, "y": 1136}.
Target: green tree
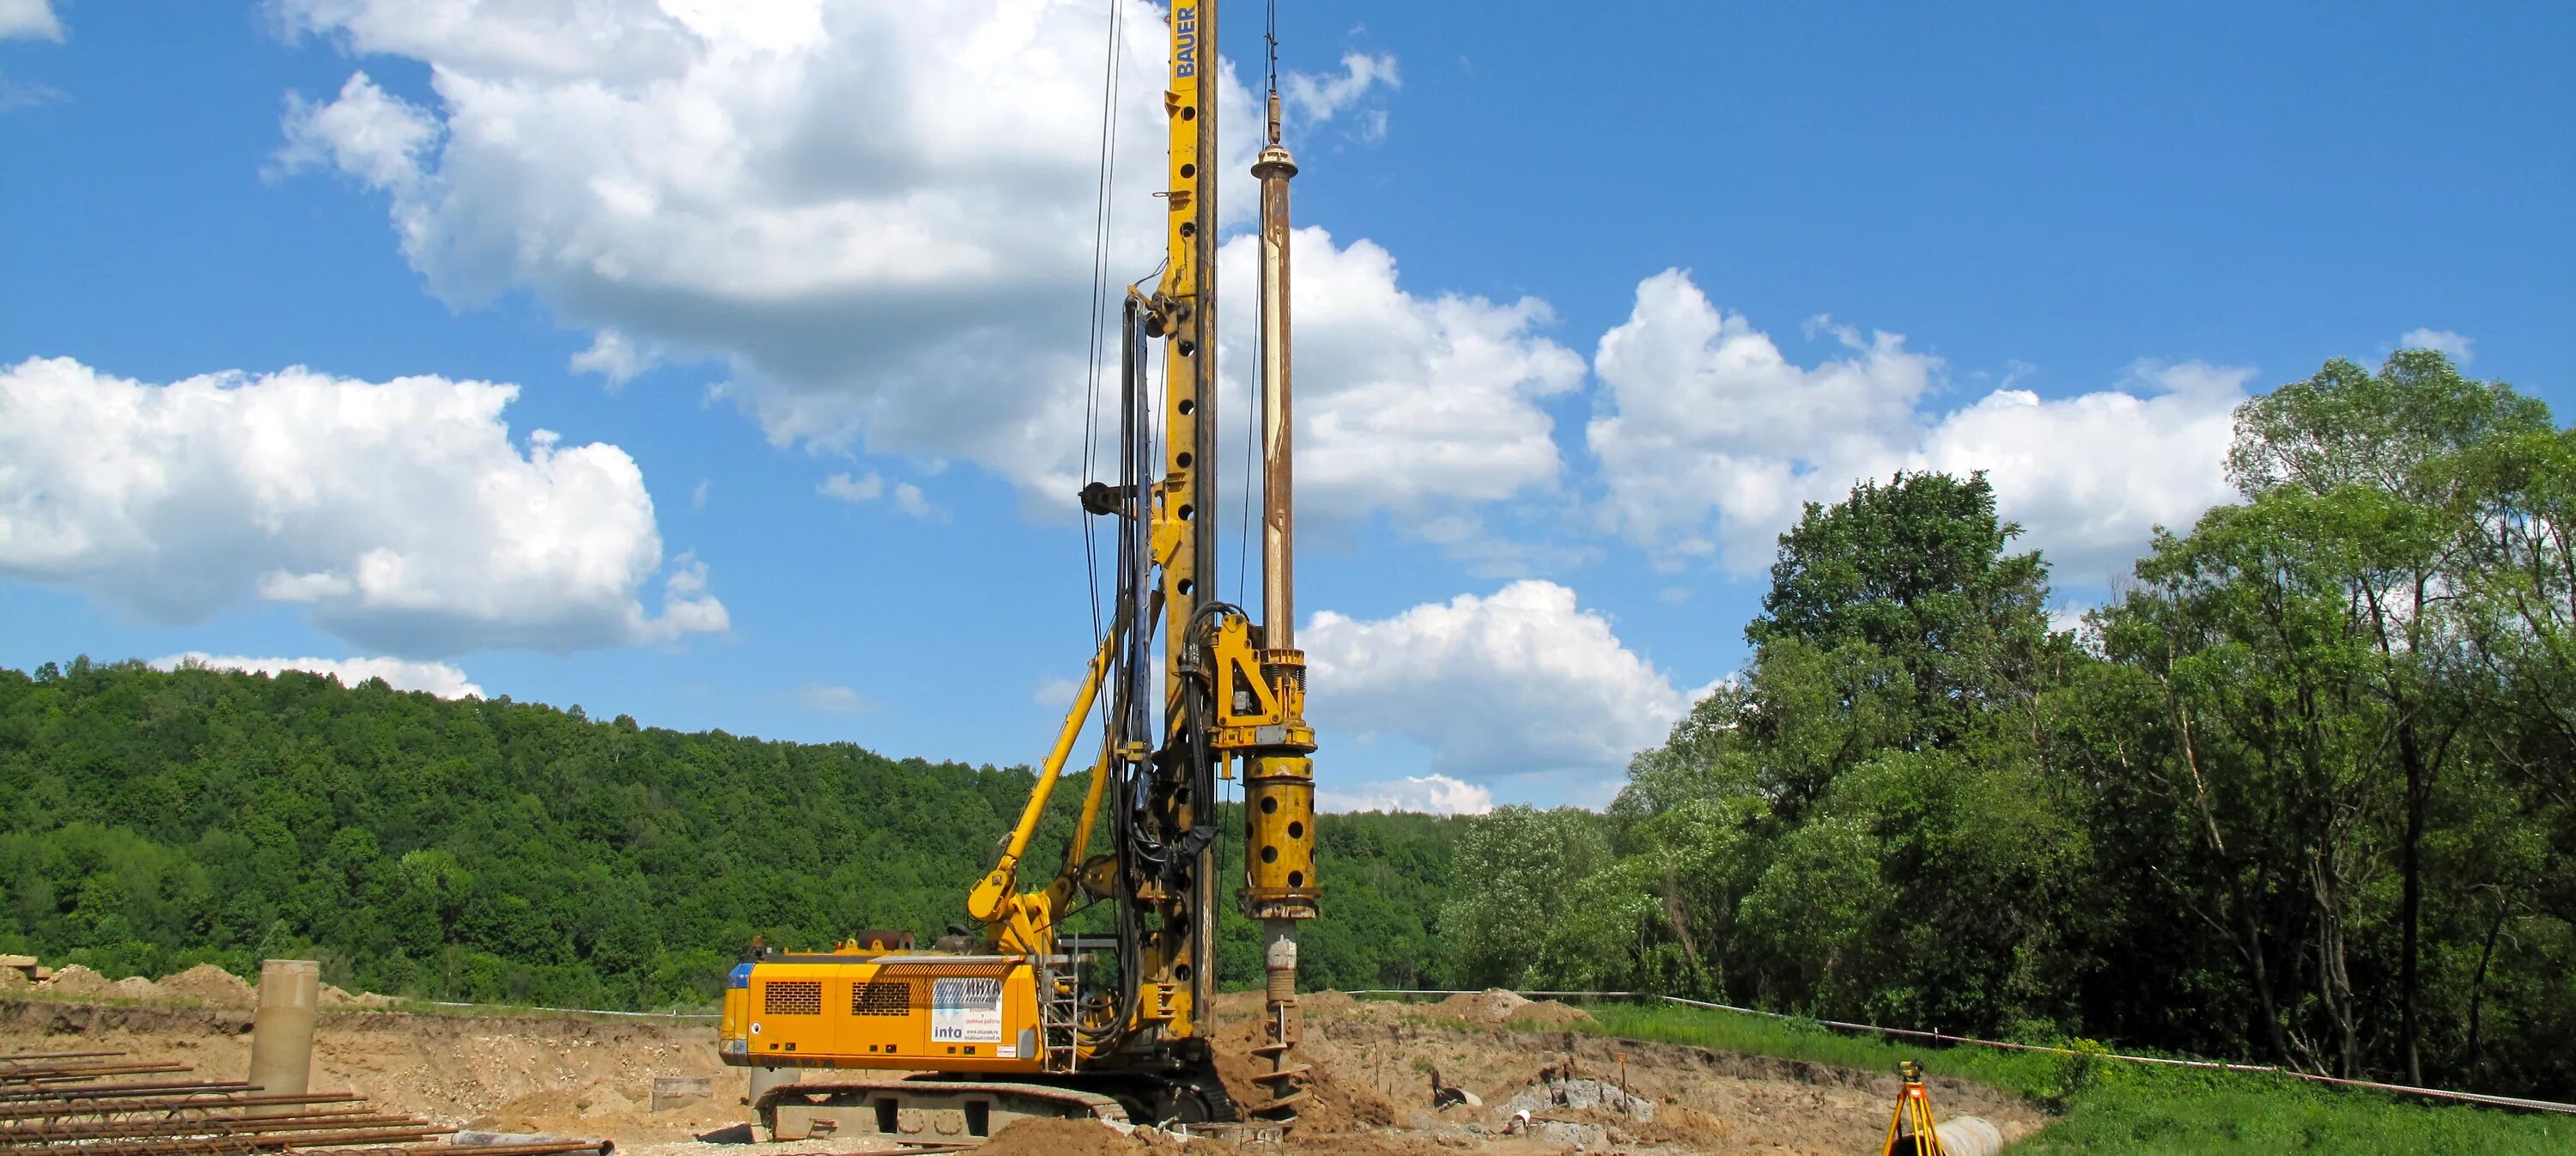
{"x": 1527, "y": 865}
{"x": 2394, "y": 460}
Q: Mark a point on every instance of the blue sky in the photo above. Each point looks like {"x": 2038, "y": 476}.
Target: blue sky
{"x": 1595, "y": 295}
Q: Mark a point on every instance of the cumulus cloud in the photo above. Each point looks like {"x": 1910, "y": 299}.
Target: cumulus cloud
{"x": 1520, "y": 682}
{"x": 438, "y": 678}
{"x": 29, "y": 20}
{"x": 2090, "y": 477}
{"x": 1416, "y": 405}
{"x": 1710, "y": 440}
{"x": 373, "y": 136}
{"x": 1424, "y": 794}
{"x": 2457, "y": 345}
{"x": 878, "y": 215}
{"x": 401, "y": 514}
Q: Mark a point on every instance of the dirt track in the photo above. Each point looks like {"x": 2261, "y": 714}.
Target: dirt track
{"x": 1374, "y": 1066}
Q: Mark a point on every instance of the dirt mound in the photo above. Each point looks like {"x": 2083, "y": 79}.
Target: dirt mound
{"x": 80, "y": 982}
{"x": 334, "y": 997}
{"x": 210, "y": 985}
{"x": 137, "y": 987}
{"x": 1496, "y": 1006}
{"x": 1062, "y": 1138}
{"x": 12, "y": 979}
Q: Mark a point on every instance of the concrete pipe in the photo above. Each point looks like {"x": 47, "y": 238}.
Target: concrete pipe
{"x": 1968, "y": 1136}
{"x": 281, "y": 1033}
{"x": 1959, "y": 1136}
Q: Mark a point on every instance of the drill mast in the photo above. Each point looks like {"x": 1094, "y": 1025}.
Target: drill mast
{"x": 1016, "y": 1001}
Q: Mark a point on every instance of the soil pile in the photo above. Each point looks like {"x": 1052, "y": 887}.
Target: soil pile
{"x": 1496, "y": 1006}
{"x": 210, "y": 985}
{"x": 1063, "y": 1138}
{"x": 79, "y": 982}
{"x": 334, "y": 997}
{"x": 205, "y": 985}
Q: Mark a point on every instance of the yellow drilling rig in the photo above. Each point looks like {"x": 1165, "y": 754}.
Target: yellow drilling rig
{"x": 1026, "y": 1017}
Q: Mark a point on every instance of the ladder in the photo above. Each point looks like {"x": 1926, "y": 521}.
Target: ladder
{"x": 1059, "y": 1015}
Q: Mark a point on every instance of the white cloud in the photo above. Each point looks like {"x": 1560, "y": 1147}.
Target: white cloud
{"x": 824, "y": 696}
{"x": 2090, "y": 477}
{"x": 1425, "y": 795}
{"x": 2456, "y": 345}
{"x": 1521, "y": 682}
{"x": 1703, "y": 414}
{"x": 400, "y": 513}
{"x": 614, "y": 357}
{"x": 438, "y": 678}
{"x": 908, "y": 498}
{"x": 1318, "y": 97}
{"x": 879, "y": 213}
{"x": 698, "y": 496}
{"x": 29, "y": 20}
{"x": 1415, "y": 405}
{"x": 1710, "y": 440}
{"x": 366, "y": 133}
{"x": 865, "y": 488}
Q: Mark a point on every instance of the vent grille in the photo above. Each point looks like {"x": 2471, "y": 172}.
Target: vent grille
{"x": 795, "y": 997}
{"x": 881, "y": 998}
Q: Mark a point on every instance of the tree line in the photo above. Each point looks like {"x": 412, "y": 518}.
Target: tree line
{"x": 2303, "y": 789}
{"x": 497, "y": 851}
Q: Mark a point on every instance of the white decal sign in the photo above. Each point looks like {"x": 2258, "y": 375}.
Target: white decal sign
{"x": 965, "y": 1010}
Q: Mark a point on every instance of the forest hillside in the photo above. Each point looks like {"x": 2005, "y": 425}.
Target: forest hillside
{"x": 504, "y": 851}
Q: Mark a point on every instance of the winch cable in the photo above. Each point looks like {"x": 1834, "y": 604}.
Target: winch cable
{"x": 1102, "y": 213}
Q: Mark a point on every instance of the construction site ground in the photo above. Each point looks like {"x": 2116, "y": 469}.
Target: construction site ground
{"x": 1375, "y": 1066}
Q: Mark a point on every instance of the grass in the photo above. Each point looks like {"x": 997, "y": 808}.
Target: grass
{"x": 2112, "y": 1107}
